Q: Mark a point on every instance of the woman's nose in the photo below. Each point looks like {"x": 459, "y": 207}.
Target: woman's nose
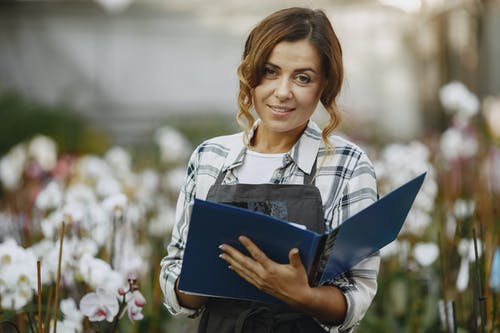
{"x": 282, "y": 90}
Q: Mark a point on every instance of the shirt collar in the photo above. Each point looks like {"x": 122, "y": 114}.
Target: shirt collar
{"x": 303, "y": 152}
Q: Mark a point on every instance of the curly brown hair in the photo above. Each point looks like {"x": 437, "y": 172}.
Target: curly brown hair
{"x": 290, "y": 25}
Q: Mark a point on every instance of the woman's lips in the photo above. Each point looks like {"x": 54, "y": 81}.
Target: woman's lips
{"x": 281, "y": 108}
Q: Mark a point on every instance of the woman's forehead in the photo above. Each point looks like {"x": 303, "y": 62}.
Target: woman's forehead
{"x": 297, "y": 54}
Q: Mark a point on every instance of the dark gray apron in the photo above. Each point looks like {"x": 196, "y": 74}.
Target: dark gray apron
{"x": 296, "y": 203}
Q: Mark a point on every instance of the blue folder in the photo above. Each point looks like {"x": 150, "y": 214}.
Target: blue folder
{"x": 325, "y": 256}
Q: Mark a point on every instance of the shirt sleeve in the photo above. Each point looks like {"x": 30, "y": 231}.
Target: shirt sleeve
{"x": 359, "y": 284}
{"x": 170, "y": 266}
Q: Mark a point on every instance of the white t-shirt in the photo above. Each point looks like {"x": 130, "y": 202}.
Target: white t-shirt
{"x": 258, "y": 168}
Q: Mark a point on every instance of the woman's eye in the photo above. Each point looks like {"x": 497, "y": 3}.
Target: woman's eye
{"x": 302, "y": 78}
{"x": 269, "y": 72}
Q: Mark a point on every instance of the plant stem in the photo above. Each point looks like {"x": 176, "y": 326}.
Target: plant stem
{"x": 30, "y": 321}
{"x": 113, "y": 240}
{"x": 47, "y": 315}
{"x": 442, "y": 265}
{"x": 39, "y": 280}
{"x": 495, "y": 309}
{"x": 480, "y": 296}
{"x": 58, "y": 280}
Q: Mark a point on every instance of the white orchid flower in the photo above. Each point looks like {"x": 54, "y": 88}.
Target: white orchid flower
{"x": 73, "y": 212}
{"x": 52, "y": 223}
{"x": 458, "y": 143}
{"x": 100, "y": 305}
{"x": 107, "y": 186}
{"x": 12, "y": 166}
{"x": 174, "y": 179}
{"x": 174, "y": 147}
{"x": 467, "y": 252}
{"x": 91, "y": 168}
{"x": 426, "y": 253}
{"x": 72, "y": 316}
{"x": 98, "y": 273}
{"x": 397, "y": 164}
{"x": 17, "y": 275}
{"x": 163, "y": 223}
{"x": 135, "y": 303}
{"x": 119, "y": 159}
{"x": 459, "y": 101}
{"x": 115, "y": 202}
{"x": 50, "y": 197}
{"x": 44, "y": 151}
{"x": 464, "y": 208}
{"x": 80, "y": 192}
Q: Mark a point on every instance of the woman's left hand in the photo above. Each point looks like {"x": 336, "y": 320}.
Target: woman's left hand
{"x": 287, "y": 282}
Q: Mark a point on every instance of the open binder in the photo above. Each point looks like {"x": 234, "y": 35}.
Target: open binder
{"x": 324, "y": 256}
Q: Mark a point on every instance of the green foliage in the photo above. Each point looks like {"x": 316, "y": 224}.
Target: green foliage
{"x": 22, "y": 119}
{"x": 204, "y": 126}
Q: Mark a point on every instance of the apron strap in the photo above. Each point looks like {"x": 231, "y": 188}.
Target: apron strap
{"x": 220, "y": 177}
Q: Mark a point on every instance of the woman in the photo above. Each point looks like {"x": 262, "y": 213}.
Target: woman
{"x": 292, "y": 61}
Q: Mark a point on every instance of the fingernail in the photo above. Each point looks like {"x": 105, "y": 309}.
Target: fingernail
{"x": 221, "y": 247}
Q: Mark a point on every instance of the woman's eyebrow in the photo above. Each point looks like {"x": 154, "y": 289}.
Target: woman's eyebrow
{"x": 296, "y": 70}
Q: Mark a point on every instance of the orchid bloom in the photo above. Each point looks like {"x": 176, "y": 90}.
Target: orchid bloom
{"x": 72, "y": 317}
{"x": 173, "y": 145}
{"x": 467, "y": 252}
{"x": 135, "y": 303}
{"x": 17, "y": 269}
{"x": 115, "y": 203}
{"x": 99, "y": 305}
{"x": 426, "y": 253}
{"x": 12, "y": 166}
{"x": 44, "y": 151}
{"x": 459, "y": 101}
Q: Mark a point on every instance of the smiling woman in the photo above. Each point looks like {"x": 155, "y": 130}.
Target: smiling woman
{"x": 287, "y": 95}
{"x": 292, "y": 61}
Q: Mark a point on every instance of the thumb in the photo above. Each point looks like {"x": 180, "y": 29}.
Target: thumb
{"x": 294, "y": 258}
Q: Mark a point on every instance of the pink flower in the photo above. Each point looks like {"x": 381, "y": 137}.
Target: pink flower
{"x": 99, "y": 305}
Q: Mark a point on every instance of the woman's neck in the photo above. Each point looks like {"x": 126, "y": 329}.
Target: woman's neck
{"x": 270, "y": 142}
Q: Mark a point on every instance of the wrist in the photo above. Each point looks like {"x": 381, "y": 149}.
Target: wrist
{"x": 193, "y": 302}
{"x": 328, "y": 304}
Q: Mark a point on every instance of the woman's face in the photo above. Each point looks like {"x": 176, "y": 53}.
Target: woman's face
{"x": 290, "y": 88}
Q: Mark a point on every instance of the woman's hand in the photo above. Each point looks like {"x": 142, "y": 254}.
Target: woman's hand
{"x": 287, "y": 282}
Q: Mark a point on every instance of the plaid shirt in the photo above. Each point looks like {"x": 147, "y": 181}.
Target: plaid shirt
{"x": 345, "y": 179}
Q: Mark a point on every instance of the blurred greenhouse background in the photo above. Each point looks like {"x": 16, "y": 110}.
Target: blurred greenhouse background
{"x": 103, "y": 101}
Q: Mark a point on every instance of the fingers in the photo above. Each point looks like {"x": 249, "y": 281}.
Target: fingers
{"x": 294, "y": 258}
{"x": 254, "y": 251}
{"x": 244, "y": 266}
{"x": 262, "y": 272}
{"x": 238, "y": 260}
